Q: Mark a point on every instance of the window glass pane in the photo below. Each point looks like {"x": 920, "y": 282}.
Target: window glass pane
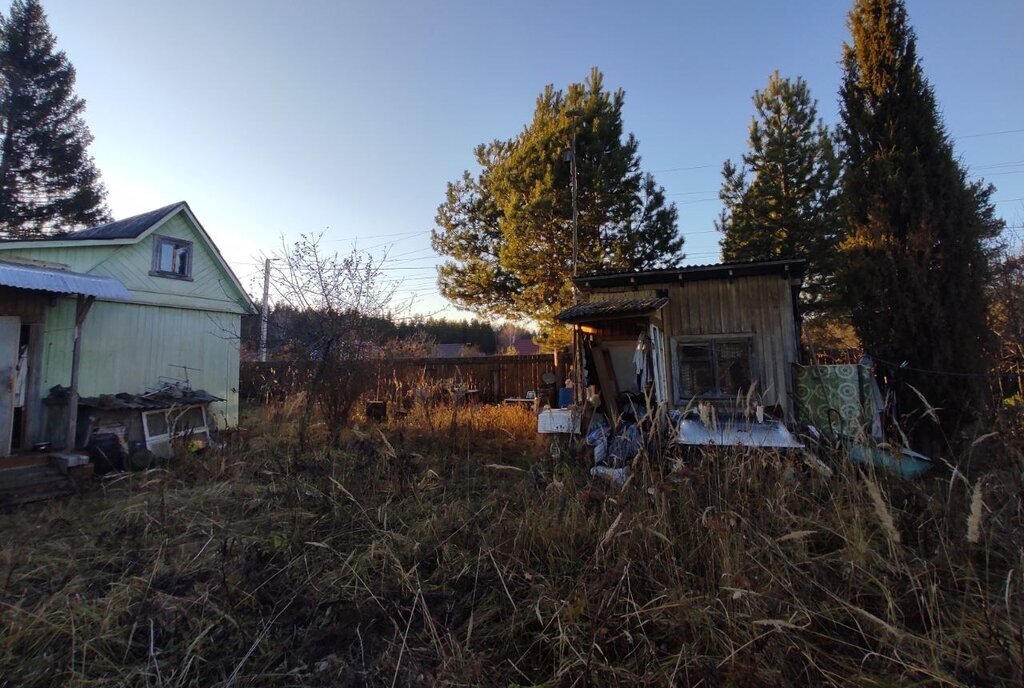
{"x": 187, "y": 419}
{"x": 173, "y": 257}
{"x": 166, "y": 256}
{"x": 156, "y": 423}
{"x": 733, "y": 367}
{"x": 695, "y": 372}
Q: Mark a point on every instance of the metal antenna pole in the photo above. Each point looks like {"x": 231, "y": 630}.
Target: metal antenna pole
{"x": 579, "y": 394}
{"x": 575, "y": 210}
{"x": 265, "y": 311}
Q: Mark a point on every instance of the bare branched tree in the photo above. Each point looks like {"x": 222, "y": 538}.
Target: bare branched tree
{"x": 349, "y": 294}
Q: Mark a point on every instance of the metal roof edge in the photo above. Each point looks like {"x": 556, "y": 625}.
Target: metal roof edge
{"x": 56, "y": 281}
{"x": 790, "y": 266}
{"x": 60, "y": 242}
{"x": 591, "y": 311}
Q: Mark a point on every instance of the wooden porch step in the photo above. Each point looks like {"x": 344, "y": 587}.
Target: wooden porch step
{"x": 33, "y": 483}
{"x": 26, "y": 459}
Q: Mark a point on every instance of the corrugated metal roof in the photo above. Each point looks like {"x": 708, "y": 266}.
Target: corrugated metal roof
{"x": 599, "y": 310}
{"x": 60, "y": 281}
{"x": 691, "y": 273}
{"x": 129, "y": 228}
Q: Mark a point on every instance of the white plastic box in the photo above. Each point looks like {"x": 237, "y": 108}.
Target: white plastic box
{"x": 558, "y": 420}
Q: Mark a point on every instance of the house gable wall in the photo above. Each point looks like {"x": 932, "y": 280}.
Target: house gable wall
{"x": 210, "y": 287}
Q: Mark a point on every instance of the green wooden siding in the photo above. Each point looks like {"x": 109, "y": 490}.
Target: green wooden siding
{"x": 127, "y": 347}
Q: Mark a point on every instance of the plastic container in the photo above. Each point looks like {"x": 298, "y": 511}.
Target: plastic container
{"x": 565, "y": 397}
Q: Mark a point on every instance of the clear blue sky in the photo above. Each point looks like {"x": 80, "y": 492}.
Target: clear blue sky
{"x": 275, "y": 118}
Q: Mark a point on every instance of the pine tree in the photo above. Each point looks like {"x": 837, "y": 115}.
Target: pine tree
{"x": 508, "y": 230}
{"x": 788, "y": 206}
{"x": 917, "y": 259}
{"x": 48, "y": 182}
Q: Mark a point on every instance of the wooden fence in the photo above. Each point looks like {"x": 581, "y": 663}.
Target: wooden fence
{"x": 494, "y": 377}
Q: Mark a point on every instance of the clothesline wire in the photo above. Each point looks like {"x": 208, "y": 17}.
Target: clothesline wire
{"x": 950, "y": 373}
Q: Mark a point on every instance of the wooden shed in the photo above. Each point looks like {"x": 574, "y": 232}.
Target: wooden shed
{"x": 699, "y": 333}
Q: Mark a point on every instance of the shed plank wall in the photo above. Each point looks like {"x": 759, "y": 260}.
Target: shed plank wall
{"x": 623, "y": 294}
{"x": 125, "y": 345}
{"x": 761, "y": 306}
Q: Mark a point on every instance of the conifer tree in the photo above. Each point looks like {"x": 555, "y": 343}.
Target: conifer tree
{"x": 782, "y": 201}
{"x": 508, "y": 230}
{"x": 48, "y": 182}
{"x": 917, "y": 259}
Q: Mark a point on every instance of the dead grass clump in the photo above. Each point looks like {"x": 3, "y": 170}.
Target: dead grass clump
{"x": 378, "y": 564}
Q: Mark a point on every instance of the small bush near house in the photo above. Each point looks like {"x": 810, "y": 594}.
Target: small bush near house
{"x": 438, "y": 550}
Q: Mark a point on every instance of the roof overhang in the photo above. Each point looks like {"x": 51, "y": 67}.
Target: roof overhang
{"x": 789, "y": 268}
{"x": 596, "y": 311}
{"x": 20, "y": 276}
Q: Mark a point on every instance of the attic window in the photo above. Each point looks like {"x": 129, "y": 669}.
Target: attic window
{"x": 172, "y": 258}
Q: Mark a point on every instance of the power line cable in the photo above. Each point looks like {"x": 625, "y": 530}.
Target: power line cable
{"x": 990, "y": 133}
{"x": 683, "y": 169}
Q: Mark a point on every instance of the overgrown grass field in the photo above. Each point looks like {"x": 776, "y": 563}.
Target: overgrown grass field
{"x": 440, "y": 549}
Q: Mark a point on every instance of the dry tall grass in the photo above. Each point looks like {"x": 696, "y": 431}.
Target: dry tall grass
{"x": 420, "y": 555}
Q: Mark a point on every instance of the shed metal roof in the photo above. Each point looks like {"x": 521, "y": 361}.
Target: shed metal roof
{"x": 793, "y": 267}
{"x": 60, "y": 281}
{"x": 601, "y": 310}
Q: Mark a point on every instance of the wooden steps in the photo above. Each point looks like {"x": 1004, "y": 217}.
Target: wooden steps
{"x": 33, "y": 483}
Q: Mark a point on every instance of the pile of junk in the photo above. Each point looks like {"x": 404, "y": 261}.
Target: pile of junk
{"x": 838, "y": 407}
{"x": 138, "y": 431}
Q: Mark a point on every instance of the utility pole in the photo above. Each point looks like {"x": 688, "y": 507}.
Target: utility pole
{"x": 265, "y": 311}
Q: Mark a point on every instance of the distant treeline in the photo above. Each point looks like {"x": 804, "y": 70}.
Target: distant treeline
{"x": 285, "y": 324}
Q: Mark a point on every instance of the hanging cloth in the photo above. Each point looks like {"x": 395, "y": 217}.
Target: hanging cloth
{"x": 641, "y": 361}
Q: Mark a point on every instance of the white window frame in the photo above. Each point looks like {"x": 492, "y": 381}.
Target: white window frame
{"x": 172, "y": 434}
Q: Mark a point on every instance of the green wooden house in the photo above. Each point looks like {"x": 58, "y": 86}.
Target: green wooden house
{"x": 125, "y": 307}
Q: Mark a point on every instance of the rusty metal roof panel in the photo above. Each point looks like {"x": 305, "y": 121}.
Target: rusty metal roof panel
{"x": 601, "y": 310}
{"x": 152, "y": 401}
{"x": 61, "y": 281}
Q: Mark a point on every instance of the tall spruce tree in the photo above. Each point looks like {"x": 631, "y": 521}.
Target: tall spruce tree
{"x": 787, "y": 207}
{"x": 508, "y": 230}
{"x": 917, "y": 259}
{"x": 48, "y": 182}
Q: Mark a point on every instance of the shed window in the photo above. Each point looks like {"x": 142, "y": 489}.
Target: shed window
{"x": 711, "y": 368}
{"x": 172, "y": 258}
